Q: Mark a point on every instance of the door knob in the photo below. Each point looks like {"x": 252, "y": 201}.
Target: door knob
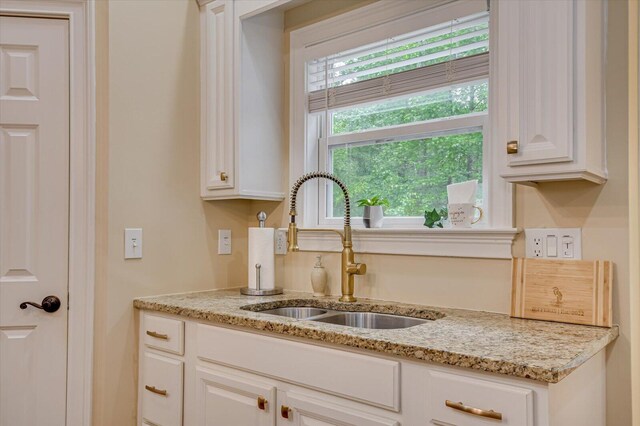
{"x": 512, "y": 147}
{"x": 49, "y": 304}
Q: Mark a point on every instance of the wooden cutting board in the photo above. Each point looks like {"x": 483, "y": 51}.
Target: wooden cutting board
{"x": 573, "y": 291}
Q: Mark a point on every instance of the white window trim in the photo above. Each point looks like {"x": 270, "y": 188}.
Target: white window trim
{"x": 493, "y": 240}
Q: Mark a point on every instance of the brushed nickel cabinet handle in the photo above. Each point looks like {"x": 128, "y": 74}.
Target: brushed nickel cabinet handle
{"x": 285, "y": 411}
{"x": 472, "y": 410}
{"x": 156, "y": 390}
{"x": 158, "y": 335}
{"x": 512, "y": 147}
{"x": 262, "y": 403}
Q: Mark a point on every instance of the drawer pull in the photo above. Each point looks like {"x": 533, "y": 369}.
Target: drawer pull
{"x": 285, "y": 411}
{"x": 512, "y": 147}
{"x": 158, "y": 335}
{"x": 472, "y": 410}
{"x": 262, "y": 403}
{"x": 156, "y": 390}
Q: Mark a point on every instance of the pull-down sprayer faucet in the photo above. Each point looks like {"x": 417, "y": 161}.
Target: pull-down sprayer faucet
{"x": 349, "y": 266}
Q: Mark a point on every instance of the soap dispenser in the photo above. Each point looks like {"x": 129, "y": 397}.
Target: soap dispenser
{"x": 318, "y": 278}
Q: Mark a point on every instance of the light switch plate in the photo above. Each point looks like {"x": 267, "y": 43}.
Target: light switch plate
{"x": 133, "y": 243}
{"x": 224, "y": 241}
{"x": 554, "y": 243}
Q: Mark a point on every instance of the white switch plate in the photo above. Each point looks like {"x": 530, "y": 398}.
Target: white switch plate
{"x": 554, "y": 243}
{"x": 281, "y": 241}
{"x": 133, "y": 243}
{"x": 224, "y": 241}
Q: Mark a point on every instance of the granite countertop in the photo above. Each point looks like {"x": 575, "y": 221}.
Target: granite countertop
{"x": 538, "y": 350}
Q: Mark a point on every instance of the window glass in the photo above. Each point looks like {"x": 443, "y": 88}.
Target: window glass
{"x": 411, "y": 174}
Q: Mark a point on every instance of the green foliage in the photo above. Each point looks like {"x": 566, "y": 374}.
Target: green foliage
{"x": 409, "y": 174}
{"x": 434, "y": 218}
{"x": 373, "y": 201}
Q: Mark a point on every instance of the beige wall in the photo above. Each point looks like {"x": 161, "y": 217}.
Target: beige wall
{"x": 148, "y": 132}
{"x": 148, "y": 176}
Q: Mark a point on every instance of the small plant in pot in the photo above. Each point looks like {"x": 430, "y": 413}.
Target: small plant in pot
{"x": 373, "y": 211}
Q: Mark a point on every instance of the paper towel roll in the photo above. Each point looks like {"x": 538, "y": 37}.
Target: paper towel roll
{"x": 261, "y": 251}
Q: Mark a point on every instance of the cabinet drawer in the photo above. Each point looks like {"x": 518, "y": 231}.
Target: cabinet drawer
{"x": 161, "y": 390}
{"x": 461, "y": 400}
{"x": 359, "y": 377}
{"x": 164, "y": 334}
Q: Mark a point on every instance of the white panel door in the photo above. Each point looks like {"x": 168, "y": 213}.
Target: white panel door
{"x": 34, "y": 218}
{"x": 536, "y": 56}
{"x": 226, "y": 400}
{"x": 217, "y": 103}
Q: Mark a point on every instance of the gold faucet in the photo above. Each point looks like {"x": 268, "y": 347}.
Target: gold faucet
{"x": 349, "y": 266}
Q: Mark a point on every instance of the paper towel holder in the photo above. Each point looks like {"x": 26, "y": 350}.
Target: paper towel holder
{"x": 247, "y": 291}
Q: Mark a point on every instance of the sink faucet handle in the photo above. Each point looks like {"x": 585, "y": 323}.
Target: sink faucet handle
{"x": 357, "y": 268}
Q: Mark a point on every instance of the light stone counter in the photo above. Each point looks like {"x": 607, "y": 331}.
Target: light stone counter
{"x": 538, "y": 350}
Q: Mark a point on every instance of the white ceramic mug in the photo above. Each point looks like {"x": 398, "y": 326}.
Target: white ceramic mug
{"x": 461, "y": 215}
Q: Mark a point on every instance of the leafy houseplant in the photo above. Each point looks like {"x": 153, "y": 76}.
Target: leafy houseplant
{"x": 435, "y": 218}
{"x": 373, "y": 212}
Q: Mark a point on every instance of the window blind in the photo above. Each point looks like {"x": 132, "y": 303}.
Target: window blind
{"x": 441, "y": 55}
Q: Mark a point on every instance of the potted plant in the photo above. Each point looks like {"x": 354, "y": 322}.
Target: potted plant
{"x": 373, "y": 213}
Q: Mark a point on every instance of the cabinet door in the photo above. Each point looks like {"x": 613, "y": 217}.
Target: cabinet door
{"x": 217, "y": 153}
{"x": 535, "y": 52}
{"x": 297, "y": 409}
{"x": 225, "y": 400}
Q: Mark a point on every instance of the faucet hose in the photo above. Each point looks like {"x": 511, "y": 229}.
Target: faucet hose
{"x": 325, "y": 175}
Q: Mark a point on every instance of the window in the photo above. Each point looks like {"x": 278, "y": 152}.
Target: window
{"x": 394, "y": 100}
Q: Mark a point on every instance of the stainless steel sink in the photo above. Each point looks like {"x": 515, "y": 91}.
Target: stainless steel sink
{"x": 370, "y": 320}
{"x": 296, "y": 312}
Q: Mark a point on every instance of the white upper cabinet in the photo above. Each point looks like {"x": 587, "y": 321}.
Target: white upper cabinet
{"x": 242, "y": 71}
{"x": 547, "y": 81}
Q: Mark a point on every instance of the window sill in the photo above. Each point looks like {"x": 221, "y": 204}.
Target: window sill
{"x": 475, "y": 243}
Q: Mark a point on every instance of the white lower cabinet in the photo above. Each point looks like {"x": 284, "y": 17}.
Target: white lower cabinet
{"x": 233, "y": 377}
{"x": 224, "y": 400}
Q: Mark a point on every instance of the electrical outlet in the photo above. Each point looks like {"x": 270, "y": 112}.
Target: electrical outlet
{"x": 554, "y": 243}
{"x": 537, "y": 247}
{"x": 281, "y": 241}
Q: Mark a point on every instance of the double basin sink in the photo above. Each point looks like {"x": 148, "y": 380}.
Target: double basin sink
{"x": 370, "y": 320}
